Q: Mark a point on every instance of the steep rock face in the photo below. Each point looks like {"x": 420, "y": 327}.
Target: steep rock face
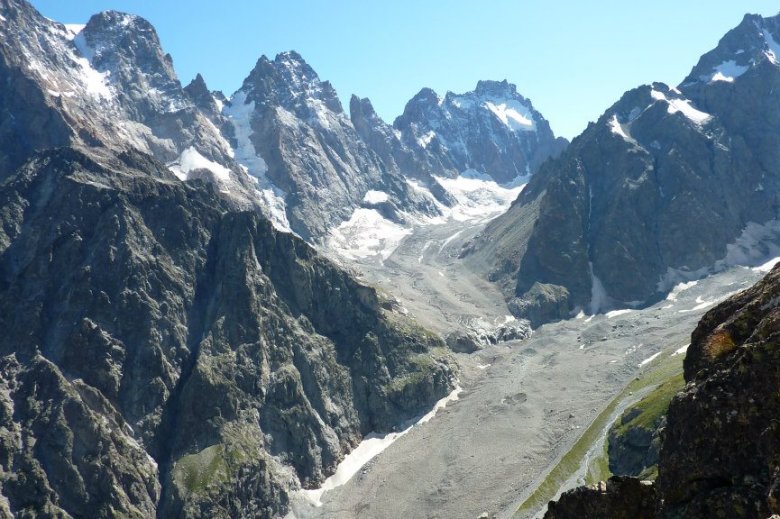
{"x": 492, "y": 130}
{"x": 719, "y": 455}
{"x": 719, "y": 452}
{"x": 163, "y": 352}
{"x": 655, "y": 190}
{"x": 385, "y": 141}
{"x": 293, "y": 135}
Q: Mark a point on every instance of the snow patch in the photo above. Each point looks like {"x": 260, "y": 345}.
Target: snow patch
{"x": 513, "y": 114}
{"x": 425, "y": 139}
{"x": 375, "y": 197}
{"x": 679, "y": 288}
{"x": 649, "y": 359}
{"x": 766, "y": 267}
{"x": 73, "y": 29}
{"x": 616, "y": 313}
{"x": 754, "y": 245}
{"x": 371, "y": 446}
{"x": 366, "y": 233}
{"x": 683, "y": 106}
{"x": 95, "y": 83}
{"x": 618, "y": 129}
{"x": 599, "y": 300}
{"x": 702, "y": 304}
{"x": 680, "y": 351}
{"x": 422, "y": 252}
{"x": 219, "y": 103}
{"x": 449, "y": 240}
{"x": 773, "y": 48}
{"x": 240, "y": 113}
{"x": 191, "y": 159}
{"x": 727, "y": 71}
{"x": 757, "y": 245}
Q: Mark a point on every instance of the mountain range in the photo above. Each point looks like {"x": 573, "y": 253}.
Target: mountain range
{"x": 668, "y": 185}
{"x": 175, "y": 344}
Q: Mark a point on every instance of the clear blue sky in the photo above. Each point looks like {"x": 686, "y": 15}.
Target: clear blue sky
{"x": 571, "y": 58}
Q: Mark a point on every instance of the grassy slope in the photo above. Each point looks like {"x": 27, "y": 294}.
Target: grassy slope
{"x": 660, "y": 373}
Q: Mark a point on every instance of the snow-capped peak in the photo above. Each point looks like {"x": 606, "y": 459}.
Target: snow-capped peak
{"x": 754, "y": 41}
{"x": 460, "y": 130}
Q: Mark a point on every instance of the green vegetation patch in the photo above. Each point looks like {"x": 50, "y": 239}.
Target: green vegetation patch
{"x": 194, "y": 473}
{"x": 658, "y": 373}
{"x": 648, "y": 411}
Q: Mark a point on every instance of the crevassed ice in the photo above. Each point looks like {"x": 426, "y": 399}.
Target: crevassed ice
{"x": 367, "y": 233}
{"x": 479, "y": 196}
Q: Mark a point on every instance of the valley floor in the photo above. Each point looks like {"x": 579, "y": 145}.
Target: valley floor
{"x": 523, "y": 405}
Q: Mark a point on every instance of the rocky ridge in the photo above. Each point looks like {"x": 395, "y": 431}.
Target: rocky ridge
{"x": 282, "y": 143}
{"x": 105, "y": 84}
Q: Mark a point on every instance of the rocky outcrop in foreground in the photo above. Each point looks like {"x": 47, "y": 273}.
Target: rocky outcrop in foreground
{"x": 720, "y": 454}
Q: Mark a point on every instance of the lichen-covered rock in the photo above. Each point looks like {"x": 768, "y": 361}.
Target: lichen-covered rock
{"x": 720, "y": 447}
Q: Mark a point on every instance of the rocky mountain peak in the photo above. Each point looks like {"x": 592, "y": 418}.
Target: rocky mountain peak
{"x": 362, "y": 109}
{"x": 127, "y": 46}
{"x": 492, "y": 130}
{"x": 288, "y": 81}
{"x": 495, "y": 88}
{"x": 423, "y": 101}
{"x": 755, "y": 41}
{"x": 199, "y": 93}
{"x": 425, "y": 96}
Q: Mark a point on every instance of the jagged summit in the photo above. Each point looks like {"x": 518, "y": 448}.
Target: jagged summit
{"x": 492, "y": 130}
{"x": 753, "y": 43}
{"x": 491, "y": 87}
{"x": 289, "y": 82}
{"x": 197, "y": 87}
